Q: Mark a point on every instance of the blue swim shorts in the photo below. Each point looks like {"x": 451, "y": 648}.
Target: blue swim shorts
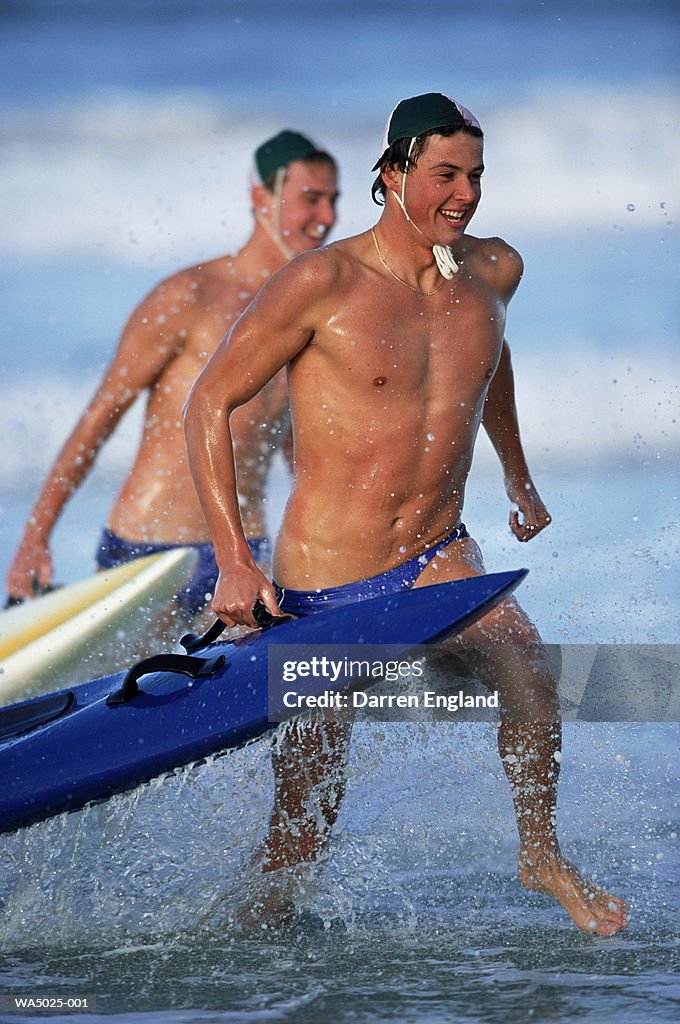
{"x": 402, "y": 577}
{"x": 113, "y": 550}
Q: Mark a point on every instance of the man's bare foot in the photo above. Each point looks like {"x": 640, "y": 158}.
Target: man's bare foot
{"x": 593, "y": 910}
{"x": 268, "y": 904}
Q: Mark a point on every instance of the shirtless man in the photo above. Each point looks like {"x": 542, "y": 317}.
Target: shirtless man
{"x": 164, "y": 346}
{"x": 395, "y": 345}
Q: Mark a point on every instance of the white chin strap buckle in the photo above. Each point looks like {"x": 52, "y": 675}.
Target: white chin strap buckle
{"x": 445, "y": 261}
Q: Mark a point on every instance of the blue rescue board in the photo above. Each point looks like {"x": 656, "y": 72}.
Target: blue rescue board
{"x": 64, "y": 750}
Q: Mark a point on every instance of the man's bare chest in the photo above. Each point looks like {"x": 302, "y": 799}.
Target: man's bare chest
{"x": 398, "y": 343}
{"x": 215, "y": 314}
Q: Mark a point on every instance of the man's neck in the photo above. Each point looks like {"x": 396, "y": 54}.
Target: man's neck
{"x": 259, "y": 257}
{"x": 407, "y": 253}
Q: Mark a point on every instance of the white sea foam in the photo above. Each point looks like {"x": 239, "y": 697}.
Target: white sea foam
{"x": 35, "y": 419}
{"x": 146, "y": 175}
{"x": 582, "y": 406}
{"x": 581, "y": 157}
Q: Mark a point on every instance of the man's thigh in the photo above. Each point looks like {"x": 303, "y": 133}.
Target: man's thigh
{"x": 460, "y": 560}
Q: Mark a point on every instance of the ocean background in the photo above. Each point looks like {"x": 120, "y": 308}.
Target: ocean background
{"x": 127, "y": 131}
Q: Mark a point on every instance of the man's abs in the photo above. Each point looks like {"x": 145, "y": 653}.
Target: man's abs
{"x": 335, "y": 536}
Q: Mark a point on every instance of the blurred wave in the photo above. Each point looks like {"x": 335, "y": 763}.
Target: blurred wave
{"x": 143, "y": 174}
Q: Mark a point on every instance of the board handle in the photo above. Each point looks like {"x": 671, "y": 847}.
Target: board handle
{"x": 264, "y": 618}
{"x": 38, "y": 590}
{"x": 195, "y": 668}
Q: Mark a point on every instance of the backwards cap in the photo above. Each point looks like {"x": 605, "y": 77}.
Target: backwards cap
{"x": 419, "y": 114}
{"x": 280, "y": 151}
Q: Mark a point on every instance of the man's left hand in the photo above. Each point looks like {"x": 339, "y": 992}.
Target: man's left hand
{"x": 530, "y": 515}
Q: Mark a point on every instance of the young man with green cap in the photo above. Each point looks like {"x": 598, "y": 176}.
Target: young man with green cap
{"x": 165, "y": 344}
{"x": 395, "y": 345}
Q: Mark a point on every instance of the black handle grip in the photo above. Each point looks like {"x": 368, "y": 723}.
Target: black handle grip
{"x": 192, "y": 641}
{"x": 38, "y": 591}
{"x": 264, "y": 618}
{"x": 195, "y": 668}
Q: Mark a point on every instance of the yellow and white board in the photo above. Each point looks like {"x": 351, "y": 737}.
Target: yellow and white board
{"x": 81, "y": 631}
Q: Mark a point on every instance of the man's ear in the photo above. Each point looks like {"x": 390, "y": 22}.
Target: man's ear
{"x": 392, "y": 179}
{"x": 261, "y": 199}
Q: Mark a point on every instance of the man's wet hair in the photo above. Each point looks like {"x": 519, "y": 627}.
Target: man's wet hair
{"x": 397, "y": 155}
{"x": 319, "y": 156}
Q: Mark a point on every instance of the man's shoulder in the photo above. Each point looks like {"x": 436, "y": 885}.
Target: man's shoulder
{"x": 184, "y": 286}
{"x": 324, "y": 268}
{"x": 309, "y": 283}
{"x": 499, "y": 260}
{"x": 333, "y": 264}
{"x": 495, "y": 250}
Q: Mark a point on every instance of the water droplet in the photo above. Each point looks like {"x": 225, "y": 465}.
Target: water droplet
{"x": 430, "y": 437}
{"x": 631, "y": 207}
{"x": 402, "y": 550}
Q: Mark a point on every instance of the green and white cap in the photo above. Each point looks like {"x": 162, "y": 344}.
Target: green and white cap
{"x": 418, "y": 114}
{"x": 411, "y": 118}
{"x": 279, "y": 152}
{"x": 272, "y": 159}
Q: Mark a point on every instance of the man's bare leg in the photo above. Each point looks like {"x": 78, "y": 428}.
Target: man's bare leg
{"x": 505, "y": 652}
{"x": 530, "y": 755}
{"x": 309, "y": 758}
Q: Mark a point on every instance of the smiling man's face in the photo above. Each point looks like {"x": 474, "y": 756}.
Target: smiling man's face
{"x": 444, "y": 188}
{"x": 307, "y": 204}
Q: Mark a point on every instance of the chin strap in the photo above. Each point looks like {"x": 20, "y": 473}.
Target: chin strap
{"x": 274, "y": 231}
{"x": 445, "y": 261}
{"x": 446, "y": 264}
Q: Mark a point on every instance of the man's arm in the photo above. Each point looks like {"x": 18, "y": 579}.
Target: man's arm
{"x": 500, "y": 422}
{"x": 151, "y": 338}
{"x": 273, "y": 330}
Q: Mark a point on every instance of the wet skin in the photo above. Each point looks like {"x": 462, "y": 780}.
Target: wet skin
{"x": 392, "y": 371}
{"x": 165, "y": 344}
